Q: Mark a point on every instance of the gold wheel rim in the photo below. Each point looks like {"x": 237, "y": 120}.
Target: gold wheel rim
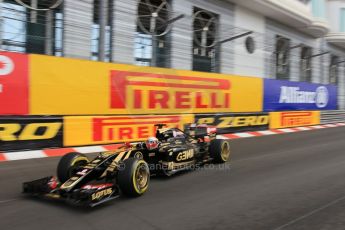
{"x": 225, "y": 151}
{"x": 141, "y": 176}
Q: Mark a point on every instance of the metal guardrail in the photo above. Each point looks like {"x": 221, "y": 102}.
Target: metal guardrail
{"x": 332, "y": 116}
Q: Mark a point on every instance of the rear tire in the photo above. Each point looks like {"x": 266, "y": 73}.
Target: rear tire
{"x": 134, "y": 177}
{"x": 68, "y": 163}
{"x": 220, "y": 150}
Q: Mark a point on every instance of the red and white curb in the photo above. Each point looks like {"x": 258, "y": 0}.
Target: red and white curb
{"x": 279, "y": 131}
{"x": 11, "y": 156}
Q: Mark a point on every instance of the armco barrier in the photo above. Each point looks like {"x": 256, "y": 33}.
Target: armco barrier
{"x": 332, "y": 116}
{"x": 37, "y": 132}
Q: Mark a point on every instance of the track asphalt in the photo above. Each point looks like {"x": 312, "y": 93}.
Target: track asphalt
{"x": 288, "y": 181}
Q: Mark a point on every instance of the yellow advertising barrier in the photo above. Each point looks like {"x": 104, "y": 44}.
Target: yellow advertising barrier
{"x": 65, "y": 86}
{"x": 294, "y": 119}
{"x": 89, "y": 130}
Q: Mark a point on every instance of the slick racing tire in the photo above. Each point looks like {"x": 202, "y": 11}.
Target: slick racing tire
{"x": 68, "y": 164}
{"x": 134, "y": 177}
{"x": 220, "y": 150}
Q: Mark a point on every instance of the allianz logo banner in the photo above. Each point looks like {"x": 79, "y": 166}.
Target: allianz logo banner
{"x": 287, "y": 95}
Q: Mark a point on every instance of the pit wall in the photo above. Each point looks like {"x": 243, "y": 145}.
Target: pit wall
{"x": 50, "y": 102}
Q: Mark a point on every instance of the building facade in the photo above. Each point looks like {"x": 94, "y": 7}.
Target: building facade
{"x": 296, "y": 40}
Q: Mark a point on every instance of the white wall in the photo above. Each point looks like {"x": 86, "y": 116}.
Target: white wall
{"x": 124, "y": 28}
{"x": 182, "y": 36}
{"x": 333, "y": 13}
{"x": 182, "y": 33}
{"x": 77, "y": 28}
{"x": 245, "y": 63}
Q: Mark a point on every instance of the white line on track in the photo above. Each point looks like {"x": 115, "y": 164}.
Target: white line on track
{"x": 310, "y": 213}
{"x": 7, "y": 201}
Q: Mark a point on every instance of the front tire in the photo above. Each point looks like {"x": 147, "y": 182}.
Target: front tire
{"x": 220, "y": 150}
{"x": 134, "y": 177}
{"x": 68, "y": 164}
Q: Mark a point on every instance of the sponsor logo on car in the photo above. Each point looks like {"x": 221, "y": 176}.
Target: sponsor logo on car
{"x": 185, "y": 155}
{"x": 102, "y": 193}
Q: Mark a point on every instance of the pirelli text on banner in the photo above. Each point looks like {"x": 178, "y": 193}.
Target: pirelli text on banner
{"x": 14, "y": 84}
{"x": 235, "y": 122}
{"x": 88, "y": 130}
{"x": 289, "y": 96}
{"x": 294, "y": 119}
{"x": 79, "y": 87}
{"x": 30, "y": 132}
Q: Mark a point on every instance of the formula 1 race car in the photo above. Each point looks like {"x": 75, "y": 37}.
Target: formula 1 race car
{"x": 127, "y": 169}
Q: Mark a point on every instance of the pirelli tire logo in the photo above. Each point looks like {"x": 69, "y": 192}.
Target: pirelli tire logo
{"x": 113, "y": 129}
{"x": 137, "y": 91}
{"x": 290, "y": 119}
{"x": 235, "y": 122}
{"x": 31, "y": 132}
{"x": 294, "y": 119}
{"x": 130, "y": 128}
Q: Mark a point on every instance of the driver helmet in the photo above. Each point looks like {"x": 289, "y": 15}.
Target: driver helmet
{"x": 152, "y": 143}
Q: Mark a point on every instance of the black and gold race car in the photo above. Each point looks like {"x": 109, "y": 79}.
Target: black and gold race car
{"x": 127, "y": 170}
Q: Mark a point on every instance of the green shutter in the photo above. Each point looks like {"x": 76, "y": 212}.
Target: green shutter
{"x": 318, "y": 8}
{"x": 342, "y": 20}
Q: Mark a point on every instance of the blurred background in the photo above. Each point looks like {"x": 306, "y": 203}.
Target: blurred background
{"x": 296, "y": 40}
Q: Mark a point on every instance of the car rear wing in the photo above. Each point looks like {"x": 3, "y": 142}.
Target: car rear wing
{"x": 200, "y": 131}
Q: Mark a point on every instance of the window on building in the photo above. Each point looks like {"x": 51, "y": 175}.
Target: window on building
{"x": 96, "y": 30}
{"x": 152, "y": 40}
{"x": 334, "y": 69}
{"x": 305, "y": 64}
{"x": 282, "y": 54}
{"x": 13, "y": 26}
{"x": 342, "y": 20}
{"x": 305, "y": 1}
{"x": 318, "y": 8}
{"x": 25, "y": 30}
{"x": 205, "y": 48}
{"x": 58, "y": 33}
